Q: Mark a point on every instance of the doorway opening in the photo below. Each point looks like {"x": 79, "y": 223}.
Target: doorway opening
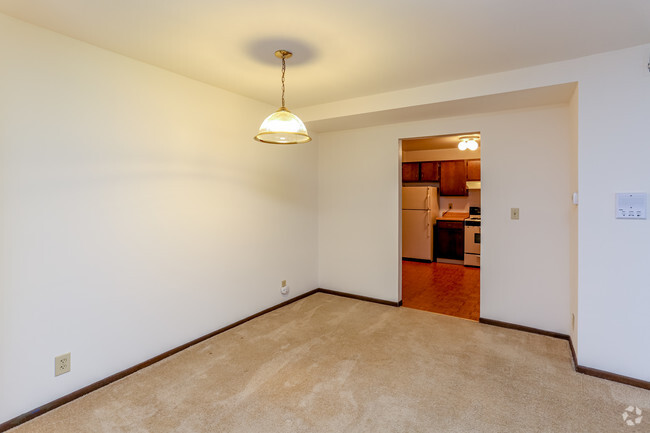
{"x": 441, "y": 217}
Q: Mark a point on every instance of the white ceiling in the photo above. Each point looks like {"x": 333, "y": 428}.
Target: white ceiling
{"x": 342, "y": 48}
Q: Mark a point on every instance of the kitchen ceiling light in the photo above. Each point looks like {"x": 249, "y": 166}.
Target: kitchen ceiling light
{"x": 469, "y": 142}
{"x": 283, "y": 127}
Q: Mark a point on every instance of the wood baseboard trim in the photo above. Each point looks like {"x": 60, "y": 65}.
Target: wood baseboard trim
{"x": 577, "y": 367}
{"x": 20, "y": 419}
{"x": 574, "y": 355}
{"x": 613, "y": 377}
{"x": 523, "y": 328}
{"x": 360, "y": 298}
{"x": 408, "y": 259}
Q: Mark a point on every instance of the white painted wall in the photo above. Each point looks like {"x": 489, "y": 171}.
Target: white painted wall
{"x": 614, "y": 288}
{"x": 358, "y": 198}
{"x": 612, "y": 112}
{"x": 525, "y": 274}
{"x": 137, "y": 213}
{"x": 525, "y": 164}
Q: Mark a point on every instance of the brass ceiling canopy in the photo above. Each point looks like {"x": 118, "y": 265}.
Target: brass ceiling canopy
{"x": 283, "y": 54}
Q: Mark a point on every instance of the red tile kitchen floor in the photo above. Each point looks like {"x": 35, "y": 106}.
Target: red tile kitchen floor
{"x": 442, "y": 288}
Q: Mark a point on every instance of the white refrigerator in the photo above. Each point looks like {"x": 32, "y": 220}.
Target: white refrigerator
{"x": 419, "y": 212}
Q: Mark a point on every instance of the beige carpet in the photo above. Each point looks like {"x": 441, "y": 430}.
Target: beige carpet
{"x": 332, "y": 364}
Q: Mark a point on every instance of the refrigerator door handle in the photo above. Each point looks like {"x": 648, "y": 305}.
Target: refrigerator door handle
{"x": 428, "y": 223}
{"x": 428, "y": 198}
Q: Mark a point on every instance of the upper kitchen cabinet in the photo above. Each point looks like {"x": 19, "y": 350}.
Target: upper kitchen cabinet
{"x": 453, "y": 178}
{"x": 430, "y": 171}
{"x": 410, "y": 172}
{"x": 474, "y": 169}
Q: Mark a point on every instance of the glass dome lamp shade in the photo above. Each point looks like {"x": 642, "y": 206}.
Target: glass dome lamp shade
{"x": 462, "y": 145}
{"x": 283, "y": 127}
{"x": 472, "y": 145}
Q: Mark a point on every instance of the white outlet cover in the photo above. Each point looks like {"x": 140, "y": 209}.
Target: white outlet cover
{"x": 62, "y": 364}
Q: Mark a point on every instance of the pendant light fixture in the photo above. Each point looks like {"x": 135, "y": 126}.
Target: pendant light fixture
{"x": 283, "y": 127}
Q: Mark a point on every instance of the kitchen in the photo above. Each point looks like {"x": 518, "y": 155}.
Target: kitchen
{"x": 441, "y": 219}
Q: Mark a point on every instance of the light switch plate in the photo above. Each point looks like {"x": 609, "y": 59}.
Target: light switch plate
{"x": 631, "y": 205}
{"x": 514, "y": 213}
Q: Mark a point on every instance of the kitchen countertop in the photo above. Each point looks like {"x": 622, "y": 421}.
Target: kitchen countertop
{"x": 453, "y": 216}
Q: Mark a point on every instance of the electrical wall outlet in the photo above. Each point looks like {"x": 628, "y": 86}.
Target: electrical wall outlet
{"x": 573, "y": 321}
{"x": 61, "y": 364}
{"x": 514, "y": 213}
{"x": 284, "y": 289}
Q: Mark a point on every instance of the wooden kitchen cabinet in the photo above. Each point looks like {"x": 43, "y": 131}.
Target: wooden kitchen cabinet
{"x": 450, "y": 240}
{"x": 474, "y": 169}
{"x": 430, "y": 171}
{"x": 410, "y": 172}
{"x": 453, "y": 178}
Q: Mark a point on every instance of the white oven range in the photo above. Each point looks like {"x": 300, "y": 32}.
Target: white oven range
{"x": 473, "y": 237}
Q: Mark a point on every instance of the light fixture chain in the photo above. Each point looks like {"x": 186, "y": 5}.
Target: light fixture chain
{"x": 284, "y": 67}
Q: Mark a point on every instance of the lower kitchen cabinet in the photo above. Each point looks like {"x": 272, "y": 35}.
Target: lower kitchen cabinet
{"x": 450, "y": 240}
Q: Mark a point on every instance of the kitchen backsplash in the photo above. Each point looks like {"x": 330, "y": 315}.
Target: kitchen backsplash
{"x": 460, "y": 204}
